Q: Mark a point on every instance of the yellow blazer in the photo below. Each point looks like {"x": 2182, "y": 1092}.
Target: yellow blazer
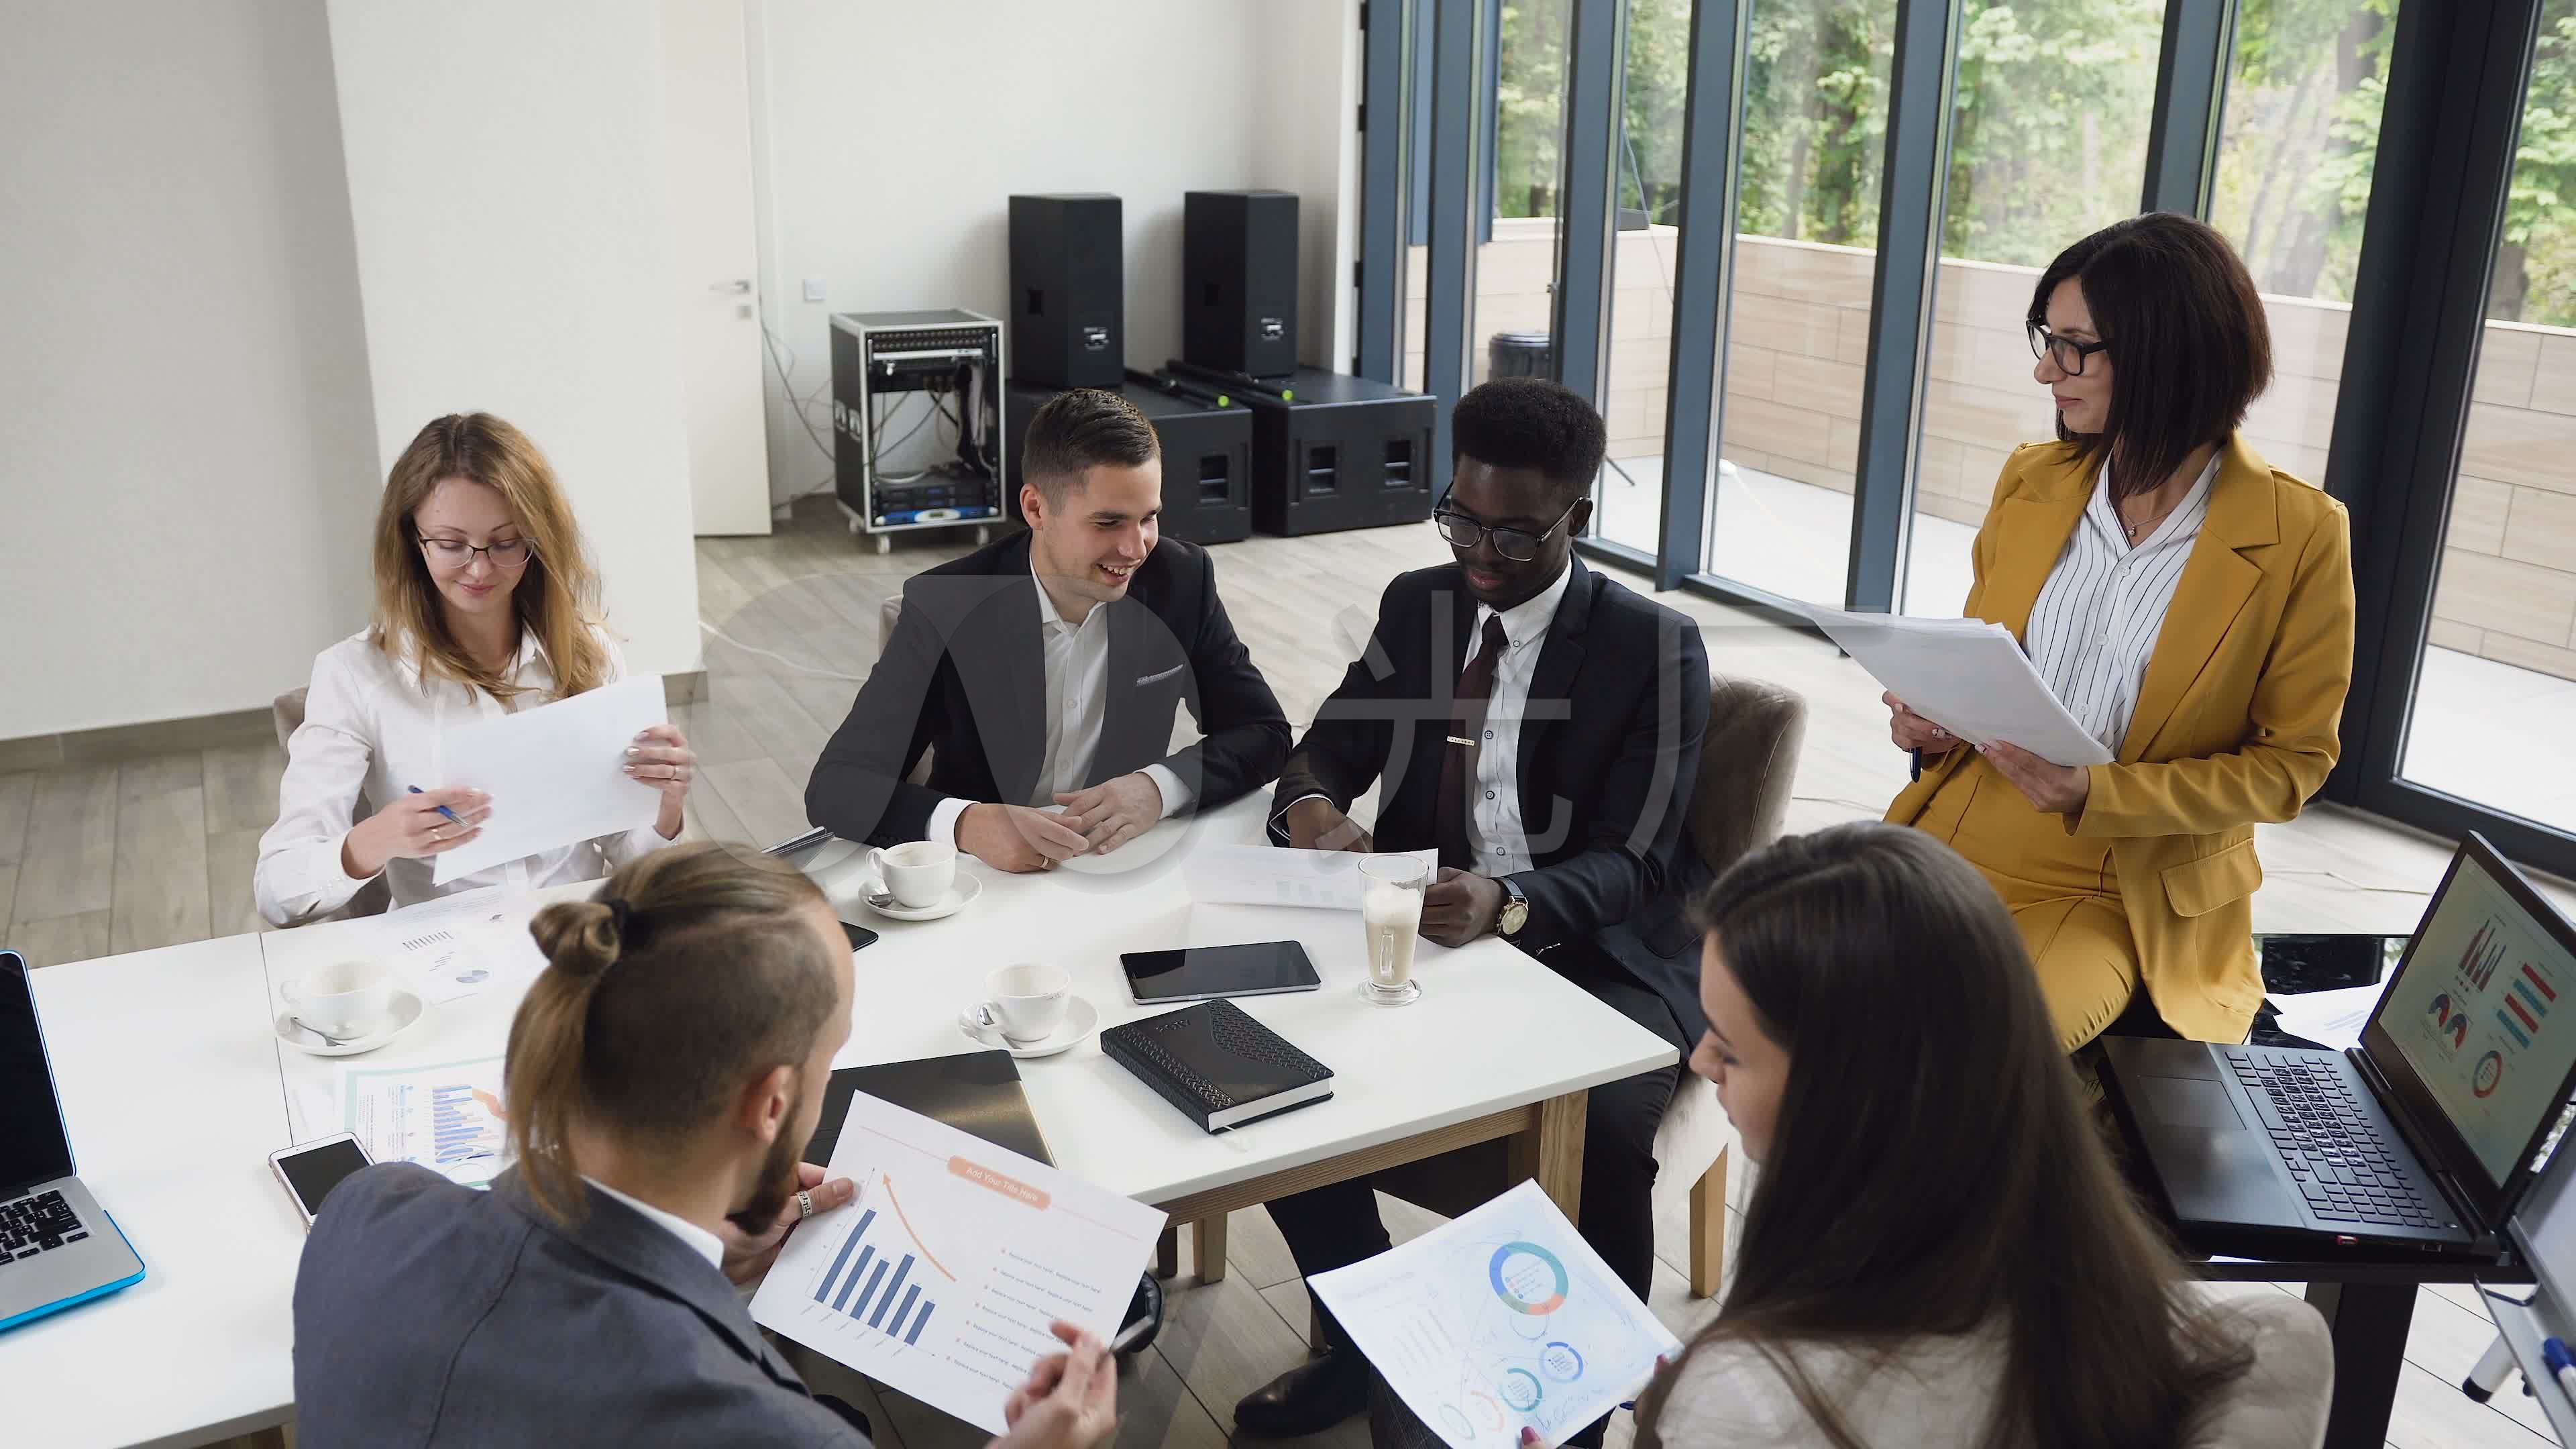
{"x": 2237, "y": 719}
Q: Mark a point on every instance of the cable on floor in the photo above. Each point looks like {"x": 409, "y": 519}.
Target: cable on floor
{"x": 805, "y": 669}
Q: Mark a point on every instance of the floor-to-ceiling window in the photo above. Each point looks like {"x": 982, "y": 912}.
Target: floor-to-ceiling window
{"x": 1814, "y": 145}
{"x": 1897, "y": 172}
{"x": 1645, "y": 248}
{"x": 2048, "y": 142}
{"x": 2494, "y": 696}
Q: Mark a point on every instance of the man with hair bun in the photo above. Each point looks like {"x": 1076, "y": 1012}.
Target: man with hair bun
{"x": 664, "y": 1074}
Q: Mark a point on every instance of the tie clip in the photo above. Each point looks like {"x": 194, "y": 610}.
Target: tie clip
{"x": 1453, "y": 739}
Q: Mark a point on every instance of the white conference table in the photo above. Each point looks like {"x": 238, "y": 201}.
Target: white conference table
{"x": 1499, "y": 1047}
{"x": 169, "y": 1081}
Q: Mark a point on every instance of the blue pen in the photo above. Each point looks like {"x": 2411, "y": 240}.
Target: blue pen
{"x": 441, "y": 809}
{"x": 2553, "y": 1352}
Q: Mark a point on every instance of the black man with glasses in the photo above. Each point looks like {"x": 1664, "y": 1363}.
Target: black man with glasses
{"x": 1540, "y": 725}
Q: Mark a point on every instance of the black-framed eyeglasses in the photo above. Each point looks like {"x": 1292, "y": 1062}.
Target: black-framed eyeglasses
{"x": 2066, "y": 352}
{"x": 456, "y": 553}
{"x": 1517, "y": 544}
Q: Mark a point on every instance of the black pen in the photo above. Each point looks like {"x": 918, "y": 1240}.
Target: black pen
{"x": 1918, "y": 766}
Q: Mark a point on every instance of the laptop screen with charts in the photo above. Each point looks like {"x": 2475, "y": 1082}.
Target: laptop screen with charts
{"x": 2476, "y": 1033}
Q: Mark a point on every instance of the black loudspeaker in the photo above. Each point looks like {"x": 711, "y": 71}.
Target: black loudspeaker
{"x": 1207, "y": 459}
{"x": 1068, "y": 292}
{"x": 1348, "y": 453}
{"x": 1239, "y": 281}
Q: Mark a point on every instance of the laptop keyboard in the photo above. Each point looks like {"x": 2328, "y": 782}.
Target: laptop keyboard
{"x": 32, "y": 1225}
{"x": 2344, "y": 1166}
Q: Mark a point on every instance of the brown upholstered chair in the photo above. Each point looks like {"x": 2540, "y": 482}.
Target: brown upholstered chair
{"x": 375, "y": 896}
{"x": 1747, "y": 766}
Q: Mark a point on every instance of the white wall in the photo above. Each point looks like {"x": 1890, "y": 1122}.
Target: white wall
{"x": 187, "y": 461}
{"x": 507, "y": 181}
{"x": 889, "y": 135}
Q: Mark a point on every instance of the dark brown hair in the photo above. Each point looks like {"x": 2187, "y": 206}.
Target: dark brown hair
{"x": 2188, "y": 343}
{"x": 557, "y": 594}
{"x": 1084, "y": 428}
{"x": 644, "y": 1029}
{"x": 1934, "y": 1169}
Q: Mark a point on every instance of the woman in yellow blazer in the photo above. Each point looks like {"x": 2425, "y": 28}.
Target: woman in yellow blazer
{"x": 2190, "y": 604}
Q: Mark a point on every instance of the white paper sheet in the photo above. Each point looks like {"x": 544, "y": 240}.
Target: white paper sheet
{"x": 555, "y": 774}
{"x": 456, "y": 946}
{"x": 447, "y": 1118}
{"x": 942, "y": 1278}
{"x": 2330, "y": 1018}
{"x": 1500, "y": 1319}
{"x": 1261, "y": 875}
{"x": 1968, "y": 676}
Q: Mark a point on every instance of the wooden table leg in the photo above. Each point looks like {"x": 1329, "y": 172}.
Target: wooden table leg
{"x": 1553, "y": 1153}
{"x": 2369, "y": 1322}
{"x": 1207, "y": 1244}
{"x": 1167, "y": 1252}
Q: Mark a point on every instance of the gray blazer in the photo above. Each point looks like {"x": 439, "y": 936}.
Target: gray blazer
{"x": 432, "y": 1314}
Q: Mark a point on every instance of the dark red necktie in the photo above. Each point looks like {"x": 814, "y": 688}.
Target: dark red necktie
{"x": 1464, "y": 743}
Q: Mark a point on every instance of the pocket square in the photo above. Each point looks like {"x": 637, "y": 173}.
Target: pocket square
{"x": 1159, "y": 678}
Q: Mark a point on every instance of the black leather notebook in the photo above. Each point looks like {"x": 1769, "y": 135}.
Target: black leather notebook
{"x": 1216, "y": 1064}
{"x": 978, "y": 1093}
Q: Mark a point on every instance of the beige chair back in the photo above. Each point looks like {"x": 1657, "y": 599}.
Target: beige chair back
{"x": 1747, "y": 768}
{"x": 375, "y": 897}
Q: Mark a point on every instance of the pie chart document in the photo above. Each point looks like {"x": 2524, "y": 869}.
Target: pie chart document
{"x": 1501, "y": 1319}
{"x": 942, "y": 1277}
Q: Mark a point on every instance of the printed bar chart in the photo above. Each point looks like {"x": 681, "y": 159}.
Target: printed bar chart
{"x": 868, "y": 1289}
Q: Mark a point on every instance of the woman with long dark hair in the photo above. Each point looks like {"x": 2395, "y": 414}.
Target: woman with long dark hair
{"x": 1939, "y": 1250}
{"x": 2191, "y": 605}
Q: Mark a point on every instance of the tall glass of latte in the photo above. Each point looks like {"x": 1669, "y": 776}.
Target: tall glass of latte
{"x": 1391, "y": 888}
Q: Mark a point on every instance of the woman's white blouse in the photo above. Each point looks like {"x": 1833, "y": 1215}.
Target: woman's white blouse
{"x": 2094, "y": 626}
{"x": 373, "y": 728}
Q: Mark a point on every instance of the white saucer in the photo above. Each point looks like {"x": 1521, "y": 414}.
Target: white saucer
{"x": 1080, "y": 1017}
{"x": 407, "y": 1011}
{"x": 965, "y": 890}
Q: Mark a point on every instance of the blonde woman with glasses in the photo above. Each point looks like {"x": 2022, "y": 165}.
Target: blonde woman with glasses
{"x": 485, "y": 605}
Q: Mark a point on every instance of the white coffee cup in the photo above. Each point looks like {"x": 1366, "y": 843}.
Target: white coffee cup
{"x": 1023, "y": 1003}
{"x": 347, "y": 999}
{"x": 918, "y": 873}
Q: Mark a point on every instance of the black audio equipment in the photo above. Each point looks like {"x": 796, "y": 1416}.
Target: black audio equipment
{"x": 1068, "y": 291}
{"x": 1239, "y": 281}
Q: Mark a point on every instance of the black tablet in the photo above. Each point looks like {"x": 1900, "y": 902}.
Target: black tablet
{"x": 1196, "y": 973}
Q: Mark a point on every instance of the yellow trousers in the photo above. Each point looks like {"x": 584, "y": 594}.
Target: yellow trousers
{"x": 2060, "y": 890}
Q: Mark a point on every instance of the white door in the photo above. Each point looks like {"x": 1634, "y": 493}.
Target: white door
{"x": 707, "y": 107}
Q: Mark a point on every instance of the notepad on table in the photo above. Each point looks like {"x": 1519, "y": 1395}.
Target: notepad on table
{"x": 1216, "y": 1064}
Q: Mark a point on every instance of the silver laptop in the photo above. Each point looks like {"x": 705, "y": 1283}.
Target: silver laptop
{"x": 57, "y": 1246}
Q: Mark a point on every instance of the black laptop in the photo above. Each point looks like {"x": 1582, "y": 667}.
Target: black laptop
{"x": 2422, "y": 1138}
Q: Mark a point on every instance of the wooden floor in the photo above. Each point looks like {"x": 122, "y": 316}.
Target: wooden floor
{"x": 113, "y": 858}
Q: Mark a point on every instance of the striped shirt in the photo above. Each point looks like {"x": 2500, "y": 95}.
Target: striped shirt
{"x": 2094, "y": 625}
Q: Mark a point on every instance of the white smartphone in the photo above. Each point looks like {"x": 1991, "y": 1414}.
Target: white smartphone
{"x": 309, "y": 1170}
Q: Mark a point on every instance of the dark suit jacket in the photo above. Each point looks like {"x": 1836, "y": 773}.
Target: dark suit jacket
{"x": 432, "y": 1314}
{"x": 966, "y": 672}
{"x": 1609, "y": 752}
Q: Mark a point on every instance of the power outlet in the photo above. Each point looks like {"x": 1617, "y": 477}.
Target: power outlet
{"x": 813, "y": 289}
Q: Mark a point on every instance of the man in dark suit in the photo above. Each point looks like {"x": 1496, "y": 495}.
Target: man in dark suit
{"x": 1044, "y": 671}
{"x": 1540, "y": 725}
{"x": 665, "y": 1070}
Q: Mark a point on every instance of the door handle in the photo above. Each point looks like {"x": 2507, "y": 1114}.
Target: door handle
{"x": 739, "y": 284}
